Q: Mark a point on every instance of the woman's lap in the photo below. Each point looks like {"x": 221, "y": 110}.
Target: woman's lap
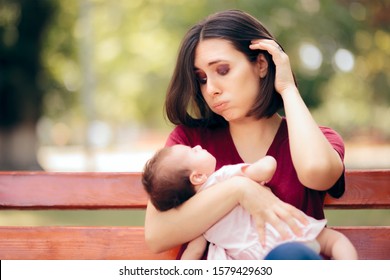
{"x": 292, "y": 251}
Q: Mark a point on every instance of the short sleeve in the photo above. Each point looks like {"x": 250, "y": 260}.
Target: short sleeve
{"x": 337, "y": 190}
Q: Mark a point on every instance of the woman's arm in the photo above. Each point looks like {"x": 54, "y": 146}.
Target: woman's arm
{"x": 317, "y": 164}
{"x": 164, "y": 230}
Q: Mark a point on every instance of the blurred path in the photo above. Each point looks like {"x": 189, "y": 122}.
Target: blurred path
{"x": 133, "y": 157}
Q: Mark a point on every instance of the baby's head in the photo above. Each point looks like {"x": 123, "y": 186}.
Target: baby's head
{"x": 174, "y": 174}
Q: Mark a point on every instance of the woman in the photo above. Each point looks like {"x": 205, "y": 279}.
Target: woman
{"x": 230, "y": 80}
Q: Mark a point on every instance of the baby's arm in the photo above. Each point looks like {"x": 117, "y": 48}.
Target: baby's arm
{"x": 262, "y": 170}
{"x": 336, "y": 245}
{"x": 195, "y": 249}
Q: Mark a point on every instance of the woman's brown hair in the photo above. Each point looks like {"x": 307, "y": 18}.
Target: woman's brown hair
{"x": 184, "y": 102}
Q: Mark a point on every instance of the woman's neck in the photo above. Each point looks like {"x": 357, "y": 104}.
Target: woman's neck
{"x": 253, "y": 138}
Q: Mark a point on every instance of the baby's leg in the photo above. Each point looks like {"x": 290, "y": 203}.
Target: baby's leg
{"x": 262, "y": 170}
{"x": 195, "y": 249}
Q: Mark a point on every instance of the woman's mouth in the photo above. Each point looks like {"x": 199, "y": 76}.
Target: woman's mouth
{"x": 219, "y": 106}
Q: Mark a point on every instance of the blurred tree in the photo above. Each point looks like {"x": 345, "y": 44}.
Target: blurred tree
{"x": 136, "y": 44}
{"x": 356, "y": 101}
{"x": 339, "y": 51}
{"x": 22, "y": 25}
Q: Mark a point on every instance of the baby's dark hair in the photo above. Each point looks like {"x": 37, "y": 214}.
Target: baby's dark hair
{"x": 167, "y": 188}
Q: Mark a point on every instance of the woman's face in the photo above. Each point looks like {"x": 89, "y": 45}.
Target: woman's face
{"x": 228, "y": 81}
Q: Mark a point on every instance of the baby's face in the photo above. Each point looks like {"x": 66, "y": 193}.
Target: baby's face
{"x": 195, "y": 159}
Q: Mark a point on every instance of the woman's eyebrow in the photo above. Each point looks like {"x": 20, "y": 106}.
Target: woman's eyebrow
{"x": 212, "y": 63}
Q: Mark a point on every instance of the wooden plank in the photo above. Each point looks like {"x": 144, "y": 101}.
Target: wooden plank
{"x": 71, "y": 190}
{"x": 114, "y": 243}
{"x": 89, "y": 190}
{"x": 86, "y": 190}
{"x": 372, "y": 243}
{"x": 364, "y": 189}
{"x": 83, "y": 243}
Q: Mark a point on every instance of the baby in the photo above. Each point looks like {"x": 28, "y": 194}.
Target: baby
{"x": 174, "y": 174}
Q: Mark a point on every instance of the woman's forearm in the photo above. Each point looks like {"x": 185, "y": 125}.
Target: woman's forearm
{"x": 164, "y": 230}
{"x": 318, "y": 165}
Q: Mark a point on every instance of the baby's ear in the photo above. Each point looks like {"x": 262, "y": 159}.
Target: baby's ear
{"x": 197, "y": 178}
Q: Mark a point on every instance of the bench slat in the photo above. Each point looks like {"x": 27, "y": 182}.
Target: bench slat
{"x": 364, "y": 189}
{"x": 86, "y": 190}
{"x": 371, "y": 243}
{"x": 114, "y": 243}
{"x": 72, "y": 243}
{"x": 71, "y": 190}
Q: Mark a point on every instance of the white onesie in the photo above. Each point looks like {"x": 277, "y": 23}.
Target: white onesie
{"x": 235, "y": 235}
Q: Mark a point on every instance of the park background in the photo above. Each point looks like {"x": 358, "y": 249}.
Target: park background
{"x": 82, "y": 84}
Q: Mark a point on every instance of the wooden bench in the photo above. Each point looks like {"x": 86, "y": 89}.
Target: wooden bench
{"x": 365, "y": 189}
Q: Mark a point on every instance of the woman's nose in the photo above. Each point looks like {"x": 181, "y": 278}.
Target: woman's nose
{"x": 212, "y": 88}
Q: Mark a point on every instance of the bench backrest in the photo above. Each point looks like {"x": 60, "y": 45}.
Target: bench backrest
{"x": 365, "y": 189}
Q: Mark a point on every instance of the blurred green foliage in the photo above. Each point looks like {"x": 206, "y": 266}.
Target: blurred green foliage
{"x": 339, "y": 50}
{"x": 22, "y": 75}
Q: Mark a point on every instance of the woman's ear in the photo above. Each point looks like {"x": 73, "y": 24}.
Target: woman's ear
{"x": 197, "y": 178}
{"x": 262, "y": 65}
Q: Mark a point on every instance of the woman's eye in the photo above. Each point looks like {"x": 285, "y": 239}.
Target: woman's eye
{"x": 202, "y": 78}
{"x": 223, "y": 69}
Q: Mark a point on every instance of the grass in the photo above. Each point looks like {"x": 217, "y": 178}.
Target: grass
{"x": 136, "y": 217}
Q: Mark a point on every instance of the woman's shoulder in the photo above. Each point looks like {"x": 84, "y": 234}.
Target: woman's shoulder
{"x": 330, "y": 133}
{"x": 334, "y": 139}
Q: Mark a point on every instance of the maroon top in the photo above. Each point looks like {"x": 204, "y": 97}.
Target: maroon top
{"x": 284, "y": 184}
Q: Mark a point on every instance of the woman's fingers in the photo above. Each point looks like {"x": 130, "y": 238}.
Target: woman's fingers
{"x": 266, "y": 208}
{"x": 260, "y": 226}
{"x": 274, "y": 49}
{"x": 269, "y": 45}
{"x": 284, "y": 218}
{"x": 292, "y": 217}
{"x": 279, "y": 224}
{"x": 297, "y": 214}
{"x": 275, "y": 221}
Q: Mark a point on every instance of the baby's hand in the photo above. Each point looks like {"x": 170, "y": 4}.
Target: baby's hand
{"x": 262, "y": 170}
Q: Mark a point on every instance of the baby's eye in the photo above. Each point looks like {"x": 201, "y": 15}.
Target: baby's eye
{"x": 201, "y": 77}
{"x": 223, "y": 69}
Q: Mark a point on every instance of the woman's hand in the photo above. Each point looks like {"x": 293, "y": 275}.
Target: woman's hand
{"x": 284, "y": 79}
{"x": 164, "y": 230}
{"x": 167, "y": 229}
{"x": 265, "y": 207}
